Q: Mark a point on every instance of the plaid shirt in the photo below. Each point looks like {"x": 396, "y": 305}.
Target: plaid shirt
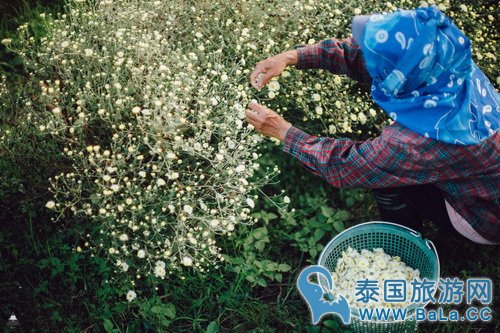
{"x": 468, "y": 176}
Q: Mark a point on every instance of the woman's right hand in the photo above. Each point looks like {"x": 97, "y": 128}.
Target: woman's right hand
{"x": 271, "y": 67}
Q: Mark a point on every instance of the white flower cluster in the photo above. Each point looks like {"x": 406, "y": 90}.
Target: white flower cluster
{"x": 162, "y": 159}
{"x": 373, "y": 265}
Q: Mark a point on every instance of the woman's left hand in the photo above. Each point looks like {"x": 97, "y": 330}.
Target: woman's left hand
{"x": 266, "y": 121}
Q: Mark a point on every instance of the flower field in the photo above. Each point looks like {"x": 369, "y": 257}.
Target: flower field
{"x": 134, "y": 195}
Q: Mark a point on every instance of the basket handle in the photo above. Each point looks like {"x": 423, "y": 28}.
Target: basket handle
{"x": 432, "y": 247}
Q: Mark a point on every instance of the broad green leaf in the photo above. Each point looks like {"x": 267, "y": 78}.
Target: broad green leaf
{"x": 213, "y": 327}
{"x": 262, "y": 282}
{"x": 327, "y": 211}
{"x": 108, "y": 325}
{"x": 259, "y": 245}
{"x": 342, "y": 215}
{"x": 318, "y": 234}
{"x": 170, "y": 310}
{"x": 331, "y": 324}
{"x": 339, "y": 226}
{"x": 284, "y": 267}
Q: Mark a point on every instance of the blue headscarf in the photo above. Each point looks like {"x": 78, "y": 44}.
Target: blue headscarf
{"x": 424, "y": 78}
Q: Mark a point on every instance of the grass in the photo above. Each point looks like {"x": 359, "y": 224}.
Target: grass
{"x": 52, "y": 289}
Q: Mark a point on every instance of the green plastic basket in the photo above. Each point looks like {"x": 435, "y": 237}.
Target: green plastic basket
{"x": 396, "y": 240}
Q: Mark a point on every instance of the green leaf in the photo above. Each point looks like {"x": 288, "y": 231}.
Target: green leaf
{"x": 108, "y": 325}
{"x": 339, "y": 226}
{"x": 284, "y": 267}
{"x": 331, "y": 324}
{"x": 250, "y": 278}
{"x": 262, "y": 282}
{"x": 213, "y": 327}
{"x": 259, "y": 245}
{"x": 271, "y": 266}
{"x": 342, "y": 215}
{"x": 260, "y": 233}
{"x": 326, "y": 211}
{"x": 167, "y": 310}
{"x": 312, "y": 329}
{"x": 156, "y": 309}
{"x": 170, "y": 310}
{"x": 318, "y": 233}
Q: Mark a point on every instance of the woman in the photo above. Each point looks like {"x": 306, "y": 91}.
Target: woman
{"x": 440, "y": 159}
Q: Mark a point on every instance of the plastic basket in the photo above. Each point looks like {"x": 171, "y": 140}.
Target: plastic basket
{"x": 396, "y": 240}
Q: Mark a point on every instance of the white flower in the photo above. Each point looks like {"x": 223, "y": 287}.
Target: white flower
{"x": 88, "y": 52}
{"x": 124, "y": 266}
{"x": 274, "y": 85}
{"x": 141, "y": 254}
{"x": 373, "y": 265}
{"x": 316, "y": 97}
{"x": 160, "y": 182}
{"x": 362, "y": 118}
{"x": 163, "y": 68}
{"x": 188, "y": 209}
{"x": 362, "y": 262}
{"x": 240, "y": 168}
{"x": 250, "y": 202}
{"x": 187, "y": 261}
{"x": 160, "y": 271}
{"x": 50, "y": 204}
{"x": 286, "y": 199}
{"x": 6, "y": 41}
{"x": 123, "y": 237}
{"x": 131, "y": 295}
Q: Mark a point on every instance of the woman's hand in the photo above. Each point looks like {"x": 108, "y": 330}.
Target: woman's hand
{"x": 266, "y": 69}
{"x": 266, "y": 121}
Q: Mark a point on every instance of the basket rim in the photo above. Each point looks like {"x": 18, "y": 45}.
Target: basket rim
{"x": 430, "y": 245}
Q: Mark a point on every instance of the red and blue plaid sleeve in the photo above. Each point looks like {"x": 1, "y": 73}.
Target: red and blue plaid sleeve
{"x": 397, "y": 157}
{"x": 338, "y": 57}
{"x": 468, "y": 176}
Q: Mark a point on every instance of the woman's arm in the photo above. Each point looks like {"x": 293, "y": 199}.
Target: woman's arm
{"x": 397, "y": 157}
{"x": 338, "y": 57}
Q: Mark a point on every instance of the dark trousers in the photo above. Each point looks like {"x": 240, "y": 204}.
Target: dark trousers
{"x": 408, "y": 205}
